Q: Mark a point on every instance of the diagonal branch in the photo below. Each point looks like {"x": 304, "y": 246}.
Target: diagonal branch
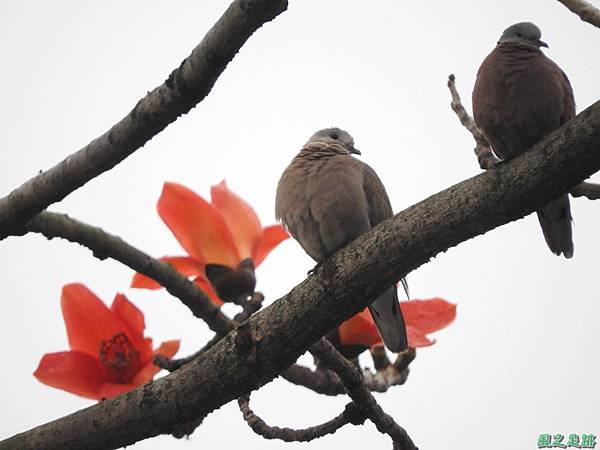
{"x": 483, "y": 150}
{"x": 187, "y": 85}
{"x": 105, "y": 245}
{"x": 351, "y": 414}
{"x": 585, "y": 10}
{"x": 352, "y": 378}
{"x": 272, "y": 339}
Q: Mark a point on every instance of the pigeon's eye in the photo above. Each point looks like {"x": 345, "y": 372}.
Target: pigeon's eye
{"x": 333, "y": 136}
{"x": 519, "y": 35}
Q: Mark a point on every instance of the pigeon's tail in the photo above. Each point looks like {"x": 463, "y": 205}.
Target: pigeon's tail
{"x": 555, "y": 219}
{"x": 390, "y": 323}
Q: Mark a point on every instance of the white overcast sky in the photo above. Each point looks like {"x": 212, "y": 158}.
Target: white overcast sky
{"x": 522, "y": 357}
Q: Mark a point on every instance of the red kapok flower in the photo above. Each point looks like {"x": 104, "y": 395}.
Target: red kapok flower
{"x": 225, "y": 235}
{"x": 109, "y": 354}
{"x": 421, "y": 318}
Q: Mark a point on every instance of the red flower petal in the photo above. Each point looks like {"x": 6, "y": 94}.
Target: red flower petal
{"x": 110, "y": 390}
{"x": 239, "y": 216}
{"x": 129, "y": 314}
{"x": 417, "y": 339}
{"x": 272, "y": 236}
{"x": 197, "y": 225}
{"x": 205, "y": 285}
{"x": 168, "y": 349}
{"x": 75, "y": 372}
{"x": 428, "y": 315}
{"x": 186, "y": 265}
{"x": 87, "y": 319}
{"x": 359, "y": 330}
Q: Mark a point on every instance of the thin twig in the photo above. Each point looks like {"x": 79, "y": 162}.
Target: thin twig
{"x": 250, "y": 307}
{"x": 352, "y": 378}
{"x": 171, "y": 365}
{"x": 483, "y": 150}
{"x": 351, "y": 414}
{"x": 187, "y": 85}
{"x": 585, "y": 10}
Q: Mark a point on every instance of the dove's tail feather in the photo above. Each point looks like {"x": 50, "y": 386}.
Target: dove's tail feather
{"x": 555, "y": 219}
{"x": 390, "y": 323}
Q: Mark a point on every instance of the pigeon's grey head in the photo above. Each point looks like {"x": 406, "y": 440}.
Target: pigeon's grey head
{"x": 523, "y": 33}
{"x": 335, "y": 136}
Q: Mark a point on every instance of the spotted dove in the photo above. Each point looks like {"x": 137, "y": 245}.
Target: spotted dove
{"x": 520, "y": 96}
{"x": 326, "y": 198}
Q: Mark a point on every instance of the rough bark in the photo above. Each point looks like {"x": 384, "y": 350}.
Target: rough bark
{"x": 275, "y": 337}
{"x": 186, "y": 86}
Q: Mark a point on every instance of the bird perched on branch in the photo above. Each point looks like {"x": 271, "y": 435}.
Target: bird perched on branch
{"x": 520, "y": 96}
{"x": 326, "y": 198}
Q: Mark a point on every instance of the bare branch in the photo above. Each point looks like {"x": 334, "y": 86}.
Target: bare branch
{"x": 585, "y": 189}
{"x": 483, "y": 150}
{"x": 326, "y": 382}
{"x": 272, "y": 339}
{"x": 352, "y": 378}
{"x": 351, "y": 414}
{"x": 585, "y": 10}
{"x": 105, "y": 245}
{"x": 187, "y": 85}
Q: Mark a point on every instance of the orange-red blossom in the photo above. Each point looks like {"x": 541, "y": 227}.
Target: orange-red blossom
{"x": 109, "y": 354}
{"x": 224, "y": 232}
{"x": 421, "y": 317}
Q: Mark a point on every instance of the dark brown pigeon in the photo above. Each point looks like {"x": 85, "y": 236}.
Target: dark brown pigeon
{"x": 326, "y": 199}
{"x": 520, "y": 96}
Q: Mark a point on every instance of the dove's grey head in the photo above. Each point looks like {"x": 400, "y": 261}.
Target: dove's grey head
{"x": 523, "y": 33}
{"x": 335, "y": 136}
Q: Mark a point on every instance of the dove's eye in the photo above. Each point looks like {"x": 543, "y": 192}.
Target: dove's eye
{"x": 519, "y": 35}
{"x": 333, "y": 136}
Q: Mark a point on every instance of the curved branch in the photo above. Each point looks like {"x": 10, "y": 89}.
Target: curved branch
{"x": 187, "y": 85}
{"x": 272, "y": 339}
{"x": 585, "y": 10}
{"x": 351, "y": 414}
{"x": 105, "y": 245}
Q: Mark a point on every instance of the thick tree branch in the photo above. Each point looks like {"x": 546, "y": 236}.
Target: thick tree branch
{"x": 352, "y": 378}
{"x": 585, "y": 10}
{"x": 272, "y": 339}
{"x": 185, "y": 87}
{"x": 105, "y": 245}
{"x": 351, "y": 414}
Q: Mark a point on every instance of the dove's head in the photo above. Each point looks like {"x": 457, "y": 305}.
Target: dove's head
{"x": 335, "y": 136}
{"x": 523, "y": 33}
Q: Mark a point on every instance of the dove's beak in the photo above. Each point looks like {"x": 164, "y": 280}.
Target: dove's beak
{"x": 355, "y": 151}
{"x": 542, "y": 44}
